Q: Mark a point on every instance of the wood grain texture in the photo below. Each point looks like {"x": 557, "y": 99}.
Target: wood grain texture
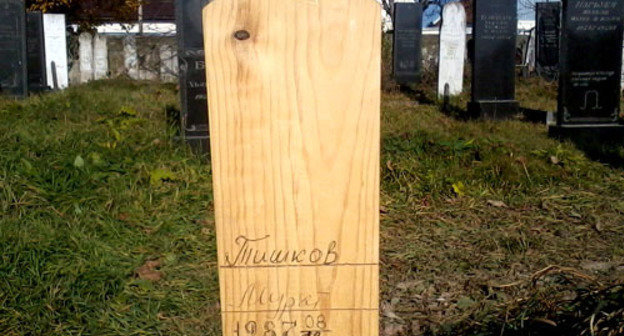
{"x": 294, "y": 124}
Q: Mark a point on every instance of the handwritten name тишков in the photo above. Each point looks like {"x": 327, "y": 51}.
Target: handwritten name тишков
{"x": 249, "y": 253}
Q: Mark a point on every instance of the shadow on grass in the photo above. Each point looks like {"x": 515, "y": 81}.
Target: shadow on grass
{"x": 533, "y": 115}
{"x": 416, "y": 94}
{"x": 584, "y": 311}
{"x": 605, "y": 145}
{"x": 454, "y": 109}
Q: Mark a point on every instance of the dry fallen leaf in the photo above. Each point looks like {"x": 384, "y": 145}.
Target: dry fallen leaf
{"x": 203, "y": 222}
{"x": 597, "y": 266}
{"x": 409, "y": 284}
{"x": 545, "y": 321}
{"x": 152, "y": 264}
{"x": 149, "y": 275}
{"x": 522, "y": 160}
{"x": 387, "y": 310}
{"x": 393, "y": 329}
{"x": 497, "y": 204}
{"x": 148, "y": 271}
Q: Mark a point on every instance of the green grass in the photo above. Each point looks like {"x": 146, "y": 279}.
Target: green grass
{"x": 448, "y": 242}
{"x": 72, "y": 235}
{"x": 106, "y": 224}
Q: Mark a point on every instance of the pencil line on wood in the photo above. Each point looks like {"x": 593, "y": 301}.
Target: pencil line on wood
{"x": 285, "y": 266}
{"x": 297, "y": 310}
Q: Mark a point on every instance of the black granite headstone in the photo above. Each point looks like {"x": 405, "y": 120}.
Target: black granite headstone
{"x": 13, "y": 48}
{"x": 591, "y": 63}
{"x": 192, "y": 73}
{"x": 407, "y": 42}
{"x": 493, "y": 63}
{"x": 37, "y": 80}
{"x": 547, "y": 24}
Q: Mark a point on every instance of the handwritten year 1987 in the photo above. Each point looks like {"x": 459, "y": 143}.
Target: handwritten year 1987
{"x": 308, "y": 326}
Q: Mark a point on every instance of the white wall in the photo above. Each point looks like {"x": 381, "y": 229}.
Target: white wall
{"x": 86, "y": 57}
{"x": 140, "y": 58}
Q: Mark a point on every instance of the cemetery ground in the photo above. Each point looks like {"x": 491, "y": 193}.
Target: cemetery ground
{"x": 487, "y": 228}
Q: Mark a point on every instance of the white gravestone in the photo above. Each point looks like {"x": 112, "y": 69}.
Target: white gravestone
{"x": 100, "y": 57}
{"x": 55, "y": 40}
{"x": 149, "y": 68}
{"x": 529, "y": 53}
{"x": 86, "y": 57}
{"x": 168, "y": 63}
{"x": 452, "y": 49}
{"x": 131, "y": 58}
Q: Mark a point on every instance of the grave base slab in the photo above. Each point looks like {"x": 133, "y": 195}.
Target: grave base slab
{"x": 570, "y": 131}
{"x": 494, "y": 109}
{"x": 199, "y": 144}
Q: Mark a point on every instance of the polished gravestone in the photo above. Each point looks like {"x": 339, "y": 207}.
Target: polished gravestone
{"x": 407, "y": 42}
{"x": 36, "y": 55}
{"x": 192, "y": 73}
{"x": 13, "y": 75}
{"x": 493, "y": 62}
{"x": 452, "y": 50}
{"x": 547, "y": 27}
{"x": 591, "y": 63}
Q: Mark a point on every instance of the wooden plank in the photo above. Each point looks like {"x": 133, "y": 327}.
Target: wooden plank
{"x": 294, "y": 99}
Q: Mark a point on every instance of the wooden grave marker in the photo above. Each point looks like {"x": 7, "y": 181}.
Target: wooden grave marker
{"x": 294, "y": 101}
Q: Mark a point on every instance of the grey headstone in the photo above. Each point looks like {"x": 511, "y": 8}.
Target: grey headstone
{"x": 192, "y": 72}
{"x": 452, "y": 49}
{"x": 407, "y": 42}
{"x": 13, "y": 73}
{"x": 591, "y": 63}
{"x": 493, "y": 62}
{"x": 37, "y": 81}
